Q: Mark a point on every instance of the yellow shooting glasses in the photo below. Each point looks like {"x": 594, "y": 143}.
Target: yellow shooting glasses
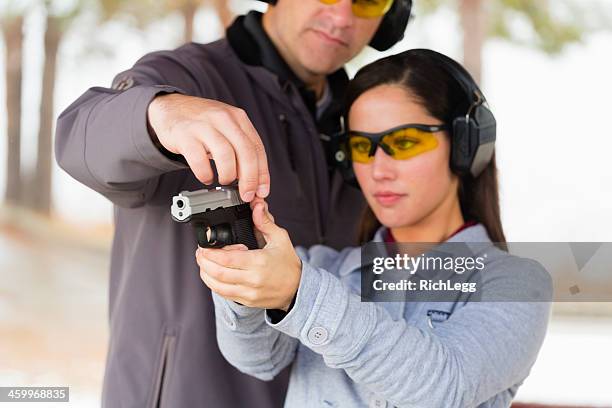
{"x": 401, "y": 143}
{"x": 367, "y": 8}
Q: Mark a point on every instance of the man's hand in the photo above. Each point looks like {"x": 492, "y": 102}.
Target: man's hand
{"x": 202, "y": 129}
{"x": 266, "y": 278}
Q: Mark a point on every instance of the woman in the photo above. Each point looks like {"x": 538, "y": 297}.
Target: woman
{"x": 275, "y": 308}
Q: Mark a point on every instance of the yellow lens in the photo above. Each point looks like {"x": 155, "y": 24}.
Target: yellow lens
{"x": 329, "y": 1}
{"x": 407, "y": 143}
{"x": 370, "y": 8}
{"x": 359, "y": 147}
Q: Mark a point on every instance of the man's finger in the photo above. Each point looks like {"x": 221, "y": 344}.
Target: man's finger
{"x": 198, "y": 161}
{"x": 245, "y": 154}
{"x": 263, "y": 188}
{"x": 223, "y": 154}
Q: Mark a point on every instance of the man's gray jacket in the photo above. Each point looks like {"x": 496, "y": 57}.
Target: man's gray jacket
{"x": 163, "y": 350}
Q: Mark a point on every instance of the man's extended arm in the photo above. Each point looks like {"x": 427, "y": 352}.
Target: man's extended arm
{"x": 104, "y": 140}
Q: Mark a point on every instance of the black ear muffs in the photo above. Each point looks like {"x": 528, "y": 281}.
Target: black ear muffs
{"x": 473, "y": 141}
{"x": 473, "y": 132}
{"x": 392, "y": 27}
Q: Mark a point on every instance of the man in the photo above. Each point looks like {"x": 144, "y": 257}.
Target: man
{"x": 261, "y": 104}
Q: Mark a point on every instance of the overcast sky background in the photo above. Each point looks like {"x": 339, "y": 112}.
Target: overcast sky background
{"x": 554, "y": 143}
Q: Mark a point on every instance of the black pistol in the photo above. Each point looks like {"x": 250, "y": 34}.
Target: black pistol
{"x": 218, "y": 216}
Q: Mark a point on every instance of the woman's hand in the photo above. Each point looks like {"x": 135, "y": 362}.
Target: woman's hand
{"x": 266, "y": 278}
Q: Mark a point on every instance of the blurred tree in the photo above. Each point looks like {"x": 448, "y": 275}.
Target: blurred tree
{"x": 223, "y": 11}
{"x": 144, "y": 12}
{"x": 551, "y": 30}
{"x": 11, "y": 19}
{"x": 189, "y": 8}
{"x": 59, "y": 17}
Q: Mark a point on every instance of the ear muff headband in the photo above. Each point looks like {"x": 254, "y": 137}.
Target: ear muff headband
{"x": 392, "y": 27}
{"x": 474, "y": 130}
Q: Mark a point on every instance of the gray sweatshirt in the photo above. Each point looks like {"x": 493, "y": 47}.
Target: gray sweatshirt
{"x": 349, "y": 353}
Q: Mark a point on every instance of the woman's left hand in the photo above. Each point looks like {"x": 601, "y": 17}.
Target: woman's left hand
{"x": 266, "y": 278}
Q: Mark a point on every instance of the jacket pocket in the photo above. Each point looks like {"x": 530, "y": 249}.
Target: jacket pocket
{"x": 434, "y": 317}
{"x": 435, "y": 314}
{"x": 163, "y": 372}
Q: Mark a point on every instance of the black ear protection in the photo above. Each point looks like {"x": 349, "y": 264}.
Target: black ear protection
{"x": 392, "y": 26}
{"x": 472, "y": 132}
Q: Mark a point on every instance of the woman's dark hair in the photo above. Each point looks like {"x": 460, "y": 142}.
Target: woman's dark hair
{"x": 422, "y": 75}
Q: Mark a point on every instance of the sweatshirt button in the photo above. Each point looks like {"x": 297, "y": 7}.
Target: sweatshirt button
{"x": 378, "y": 403}
{"x": 317, "y": 335}
{"x": 229, "y": 321}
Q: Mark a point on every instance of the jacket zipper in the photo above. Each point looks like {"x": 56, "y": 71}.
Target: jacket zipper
{"x": 288, "y": 142}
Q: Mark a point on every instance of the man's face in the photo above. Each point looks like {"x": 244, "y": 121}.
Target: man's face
{"x": 318, "y": 38}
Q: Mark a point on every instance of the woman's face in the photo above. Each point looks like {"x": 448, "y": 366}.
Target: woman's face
{"x": 402, "y": 193}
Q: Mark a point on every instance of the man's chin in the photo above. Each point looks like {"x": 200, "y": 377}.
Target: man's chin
{"x": 322, "y": 63}
{"x": 316, "y": 68}
{"x": 323, "y": 56}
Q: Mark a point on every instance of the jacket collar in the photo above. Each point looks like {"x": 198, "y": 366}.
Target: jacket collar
{"x": 254, "y": 47}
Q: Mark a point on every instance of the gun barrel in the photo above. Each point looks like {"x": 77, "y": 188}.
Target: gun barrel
{"x": 188, "y": 203}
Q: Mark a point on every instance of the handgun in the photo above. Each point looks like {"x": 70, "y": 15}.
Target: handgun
{"x": 219, "y": 216}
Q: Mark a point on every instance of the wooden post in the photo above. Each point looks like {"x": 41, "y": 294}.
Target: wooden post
{"x": 12, "y": 30}
{"x": 474, "y": 22}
